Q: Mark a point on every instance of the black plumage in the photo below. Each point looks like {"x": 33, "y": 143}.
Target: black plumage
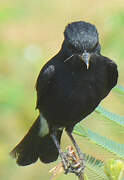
{"x": 69, "y": 87}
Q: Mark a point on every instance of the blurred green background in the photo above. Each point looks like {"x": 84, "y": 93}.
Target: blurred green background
{"x": 31, "y": 32}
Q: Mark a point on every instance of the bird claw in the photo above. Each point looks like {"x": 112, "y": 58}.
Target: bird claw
{"x": 65, "y": 163}
{"x": 77, "y": 171}
{"x": 74, "y": 164}
{"x": 77, "y": 168}
{"x": 81, "y": 160}
{"x": 70, "y": 163}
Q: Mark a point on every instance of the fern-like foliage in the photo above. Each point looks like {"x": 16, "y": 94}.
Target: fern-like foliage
{"x": 111, "y": 116}
{"x": 107, "y": 144}
{"x": 102, "y": 141}
{"x": 119, "y": 89}
{"x": 94, "y": 168}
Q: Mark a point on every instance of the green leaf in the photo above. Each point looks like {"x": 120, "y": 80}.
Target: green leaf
{"x": 94, "y": 168}
{"x": 114, "y": 169}
{"x": 111, "y": 116}
{"x": 80, "y": 130}
{"x": 102, "y": 141}
{"x": 119, "y": 89}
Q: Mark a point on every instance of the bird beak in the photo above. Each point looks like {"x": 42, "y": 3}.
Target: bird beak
{"x": 86, "y": 58}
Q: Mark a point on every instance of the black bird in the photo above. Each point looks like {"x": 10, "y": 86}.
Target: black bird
{"x": 69, "y": 87}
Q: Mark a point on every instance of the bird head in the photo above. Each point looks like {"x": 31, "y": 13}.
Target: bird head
{"x": 81, "y": 38}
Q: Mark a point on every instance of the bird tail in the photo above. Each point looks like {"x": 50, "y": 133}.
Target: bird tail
{"x": 33, "y": 147}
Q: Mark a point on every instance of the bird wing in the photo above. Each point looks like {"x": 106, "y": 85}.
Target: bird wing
{"x": 112, "y": 74}
{"x": 44, "y": 78}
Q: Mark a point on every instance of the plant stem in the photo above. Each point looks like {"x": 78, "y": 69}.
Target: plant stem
{"x": 81, "y": 176}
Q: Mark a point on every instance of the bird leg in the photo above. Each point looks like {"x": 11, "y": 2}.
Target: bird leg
{"x": 65, "y": 162}
{"x": 80, "y": 154}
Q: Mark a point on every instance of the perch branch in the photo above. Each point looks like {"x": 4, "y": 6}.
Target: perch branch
{"x": 76, "y": 166}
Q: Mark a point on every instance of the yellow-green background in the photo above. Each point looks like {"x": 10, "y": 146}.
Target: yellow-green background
{"x": 31, "y": 32}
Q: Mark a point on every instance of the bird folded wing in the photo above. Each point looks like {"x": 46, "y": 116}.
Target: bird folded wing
{"x": 43, "y": 80}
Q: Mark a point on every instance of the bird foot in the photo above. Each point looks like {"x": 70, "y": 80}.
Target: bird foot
{"x": 77, "y": 170}
{"x": 70, "y": 163}
{"x": 76, "y": 164}
{"x": 65, "y": 163}
{"x": 81, "y": 159}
